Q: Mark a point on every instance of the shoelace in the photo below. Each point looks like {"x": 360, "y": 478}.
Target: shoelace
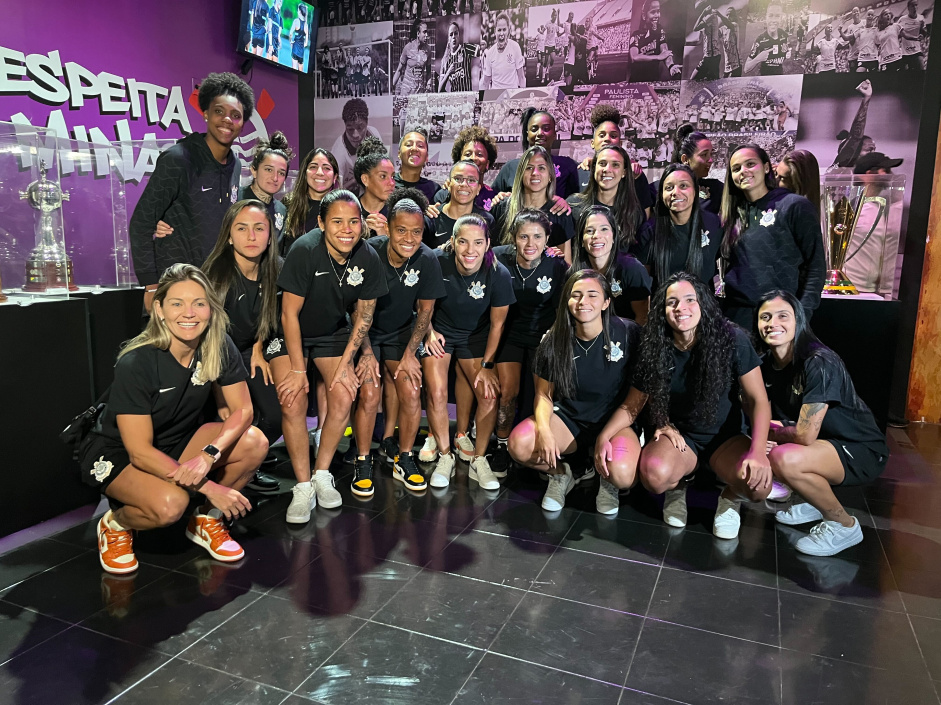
{"x": 119, "y": 540}
{"x": 216, "y": 529}
{"x": 821, "y": 529}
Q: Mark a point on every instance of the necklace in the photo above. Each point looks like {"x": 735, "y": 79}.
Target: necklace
{"x": 531, "y": 273}
{"x": 584, "y": 349}
{"x": 342, "y": 271}
{"x": 404, "y": 268}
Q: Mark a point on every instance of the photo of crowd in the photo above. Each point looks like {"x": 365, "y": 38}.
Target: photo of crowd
{"x": 442, "y": 116}
{"x": 743, "y": 104}
{"x": 353, "y": 71}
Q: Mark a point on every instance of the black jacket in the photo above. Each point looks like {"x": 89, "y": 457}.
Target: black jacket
{"x": 190, "y": 191}
{"x": 276, "y": 210}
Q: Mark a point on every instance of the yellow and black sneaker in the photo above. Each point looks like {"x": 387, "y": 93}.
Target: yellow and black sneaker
{"x": 363, "y": 485}
{"x": 406, "y": 471}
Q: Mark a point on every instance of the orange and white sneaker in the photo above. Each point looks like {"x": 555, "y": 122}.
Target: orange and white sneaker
{"x": 210, "y": 532}
{"x": 115, "y": 548}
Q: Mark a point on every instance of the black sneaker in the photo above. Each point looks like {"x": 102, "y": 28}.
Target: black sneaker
{"x": 362, "y": 485}
{"x": 389, "y": 448}
{"x": 500, "y": 460}
{"x": 264, "y": 484}
{"x": 406, "y": 471}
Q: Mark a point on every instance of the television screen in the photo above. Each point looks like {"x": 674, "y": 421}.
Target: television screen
{"x": 281, "y": 32}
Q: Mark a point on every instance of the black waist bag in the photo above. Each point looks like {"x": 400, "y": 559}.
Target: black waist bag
{"x": 80, "y": 426}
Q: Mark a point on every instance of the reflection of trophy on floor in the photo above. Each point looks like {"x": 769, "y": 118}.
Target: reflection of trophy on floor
{"x": 48, "y": 267}
{"x": 842, "y": 206}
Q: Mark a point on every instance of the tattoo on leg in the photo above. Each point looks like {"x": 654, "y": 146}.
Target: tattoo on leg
{"x": 505, "y": 414}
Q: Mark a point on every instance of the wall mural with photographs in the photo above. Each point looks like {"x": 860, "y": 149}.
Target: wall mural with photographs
{"x": 841, "y": 78}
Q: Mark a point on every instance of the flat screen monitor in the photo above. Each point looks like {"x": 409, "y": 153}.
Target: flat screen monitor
{"x": 280, "y": 32}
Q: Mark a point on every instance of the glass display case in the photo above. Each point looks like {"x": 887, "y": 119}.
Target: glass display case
{"x": 861, "y": 219}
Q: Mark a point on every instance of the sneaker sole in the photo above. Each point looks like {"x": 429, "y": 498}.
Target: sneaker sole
{"x": 562, "y": 506}
{"x": 332, "y": 504}
{"x": 199, "y": 541}
{"x": 609, "y": 512}
{"x": 414, "y": 488}
{"x": 674, "y": 522}
{"x": 358, "y": 492}
{"x": 301, "y": 519}
{"x": 258, "y": 490}
{"x": 116, "y": 571}
{"x": 856, "y": 540}
{"x": 797, "y": 522}
{"x": 473, "y": 476}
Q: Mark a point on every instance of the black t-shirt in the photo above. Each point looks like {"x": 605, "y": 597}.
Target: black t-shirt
{"x": 330, "y": 290}
{"x": 439, "y": 230}
{"x": 629, "y": 281}
{"x": 645, "y": 196}
{"x": 418, "y": 278}
{"x": 602, "y": 374}
{"x": 710, "y": 239}
{"x": 243, "y": 304}
{"x": 482, "y": 199}
{"x": 773, "y": 66}
{"x": 537, "y": 296}
{"x": 465, "y": 308}
{"x": 566, "y": 176}
{"x": 313, "y": 215}
{"x": 825, "y": 380}
{"x": 710, "y": 194}
{"x": 428, "y": 187}
{"x": 729, "y": 418}
{"x": 563, "y": 227}
{"x": 150, "y": 382}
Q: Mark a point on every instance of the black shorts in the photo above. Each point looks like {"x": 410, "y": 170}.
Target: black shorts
{"x": 101, "y": 459}
{"x": 514, "y": 352}
{"x": 390, "y": 346}
{"x": 870, "y": 66}
{"x": 585, "y": 433}
{"x": 466, "y": 346}
{"x": 332, "y": 345}
{"x": 704, "y": 450}
{"x": 861, "y": 464}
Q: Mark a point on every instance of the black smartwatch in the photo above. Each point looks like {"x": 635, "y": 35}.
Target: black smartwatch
{"x": 212, "y": 452}
{"x": 484, "y": 365}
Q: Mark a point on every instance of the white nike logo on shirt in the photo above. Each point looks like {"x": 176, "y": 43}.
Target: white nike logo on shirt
{"x": 167, "y": 389}
{"x": 445, "y": 279}
{"x": 320, "y": 274}
{"x": 206, "y": 189}
{"x": 242, "y": 296}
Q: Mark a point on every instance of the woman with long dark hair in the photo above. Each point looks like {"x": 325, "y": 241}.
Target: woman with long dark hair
{"x": 582, "y": 370}
{"x": 680, "y": 236}
{"x": 330, "y": 282}
{"x": 537, "y": 283}
{"x": 599, "y": 246}
{"x": 319, "y": 175}
{"x": 150, "y": 448}
{"x": 375, "y": 174}
{"x": 611, "y": 184}
{"x": 468, "y": 324}
{"x": 771, "y": 238}
{"x": 534, "y": 187}
{"x": 823, "y": 434}
{"x": 695, "y": 150}
{"x": 651, "y": 57}
{"x": 799, "y": 172}
{"x": 243, "y": 268}
{"x": 696, "y": 373}
{"x": 269, "y": 167}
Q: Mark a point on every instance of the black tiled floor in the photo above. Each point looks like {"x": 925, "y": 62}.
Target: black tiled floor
{"x": 463, "y": 596}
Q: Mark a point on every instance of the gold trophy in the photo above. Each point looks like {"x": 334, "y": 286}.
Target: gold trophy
{"x": 48, "y": 267}
{"x": 842, "y": 205}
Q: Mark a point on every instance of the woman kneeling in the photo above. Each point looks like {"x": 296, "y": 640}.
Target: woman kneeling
{"x": 151, "y": 449}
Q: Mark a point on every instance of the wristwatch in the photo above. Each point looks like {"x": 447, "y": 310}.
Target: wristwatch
{"x": 484, "y": 365}
{"x": 213, "y": 452}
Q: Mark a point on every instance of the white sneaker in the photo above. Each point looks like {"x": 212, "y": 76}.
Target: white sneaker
{"x": 465, "y": 447}
{"x": 728, "y": 520}
{"x": 829, "y": 538}
{"x": 674, "y": 506}
{"x": 559, "y": 486}
{"x": 327, "y": 493}
{"x": 429, "y": 451}
{"x": 607, "y": 501}
{"x": 779, "y": 492}
{"x": 481, "y": 472}
{"x": 800, "y": 512}
{"x": 304, "y": 499}
{"x": 444, "y": 471}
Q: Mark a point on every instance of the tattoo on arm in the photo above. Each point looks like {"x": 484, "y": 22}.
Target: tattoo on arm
{"x": 808, "y": 425}
{"x": 859, "y": 122}
{"x": 420, "y": 329}
{"x": 363, "y": 319}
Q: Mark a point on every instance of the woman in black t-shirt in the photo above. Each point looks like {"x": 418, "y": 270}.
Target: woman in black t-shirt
{"x": 150, "y": 447}
{"x": 320, "y": 174}
{"x": 269, "y": 167}
{"x": 696, "y": 372}
{"x": 822, "y": 434}
{"x": 598, "y": 247}
{"x": 413, "y": 155}
{"x": 681, "y": 236}
{"x": 468, "y": 324}
{"x": 537, "y": 284}
{"x": 329, "y": 274}
{"x": 583, "y": 369}
{"x": 694, "y": 149}
{"x": 375, "y": 174}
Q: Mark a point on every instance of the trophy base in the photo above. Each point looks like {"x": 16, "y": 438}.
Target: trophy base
{"x": 838, "y": 283}
{"x": 42, "y": 276}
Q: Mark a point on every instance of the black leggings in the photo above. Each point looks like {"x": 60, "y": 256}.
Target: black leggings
{"x": 265, "y": 400}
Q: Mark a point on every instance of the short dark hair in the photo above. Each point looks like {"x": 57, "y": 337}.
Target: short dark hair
{"x": 355, "y": 108}
{"x": 216, "y": 84}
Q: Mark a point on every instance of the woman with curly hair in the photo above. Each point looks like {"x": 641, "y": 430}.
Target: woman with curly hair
{"x": 696, "y": 372}
{"x": 269, "y": 169}
{"x": 474, "y": 144}
{"x": 583, "y": 368}
{"x": 375, "y": 174}
{"x": 321, "y": 176}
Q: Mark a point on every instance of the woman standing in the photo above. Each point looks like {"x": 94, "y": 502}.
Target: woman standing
{"x": 269, "y": 169}
{"x": 321, "y": 175}
{"x": 468, "y": 324}
{"x": 329, "y": 274}
{"x": 799, "y": 172}
{"x": 413, "y": 155}
{"x": 537, "y": 284}
{"x": 151, "y": 448}
{"x": 455, "y": 73}
{"x": 599, "y": 246}
{"x": 611, "y": 184}
{"x": 413, "y": 74}
{"x": 772, "y": 238}
{"x": 375, "y": 174}
{"x": 696, "y": 373}
{"x": 463, "y": 185}
{"x": 300, "y": 38}
{"x": 582, "y": 370}
{"x": 694, "y": 149}
{"x": 823, "y": 434}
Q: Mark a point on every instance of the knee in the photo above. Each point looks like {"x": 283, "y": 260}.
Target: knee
{"x": 522, "y": 441}
{"x": 656, "y": 474}
{"x": 168, "y": 508}
{"x": 297, "y": 409}
{"x": 622, "y": 474}
{"x": 369, "y": 397}
{"x": 256, "y": 443}
{"x": 786, "y": 462}
{"x": 339, "y": 402}
{"x": 437, "y": 397}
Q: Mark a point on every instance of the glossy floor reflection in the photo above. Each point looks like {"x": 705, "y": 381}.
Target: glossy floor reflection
{"x": 466, "y": 596}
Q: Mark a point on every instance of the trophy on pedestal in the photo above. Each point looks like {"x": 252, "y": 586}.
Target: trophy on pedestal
{"x": 842, "y": 204}
{"x": 48, "y": 267}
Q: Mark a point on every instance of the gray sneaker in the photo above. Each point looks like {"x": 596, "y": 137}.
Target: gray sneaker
{"x": 303, "y": 501}
{"x": 327, "y": 493}
{"x": 607, "y": 502}
{"x": 674, "y": 507}
{"x": 444, "y": 471}
{"x": 481, "y": 472}
{"x": 559, "y": 487}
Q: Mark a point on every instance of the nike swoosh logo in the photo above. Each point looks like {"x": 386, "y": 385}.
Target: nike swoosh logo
{"x": 206, "y": 189}
{"x": 576, "y": 357}
{"x": 768, "y": 384}
{"x": 445, "y": 279}
{"x": 241, "y": 297}
{"x": 167, "y": 389}
{"x": 441, "y": 235}
{"x": 320, "y": 274}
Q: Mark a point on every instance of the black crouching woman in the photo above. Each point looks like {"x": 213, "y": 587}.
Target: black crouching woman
{"x": 822, "y": 434}
{"x": 151, "y": 447}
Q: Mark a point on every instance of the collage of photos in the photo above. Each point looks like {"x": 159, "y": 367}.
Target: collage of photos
{"x": 353, "y": 61}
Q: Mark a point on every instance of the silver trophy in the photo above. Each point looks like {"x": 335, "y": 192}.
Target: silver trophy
{"x": 48, "y": 267}
{"x": 842, "y": 205}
